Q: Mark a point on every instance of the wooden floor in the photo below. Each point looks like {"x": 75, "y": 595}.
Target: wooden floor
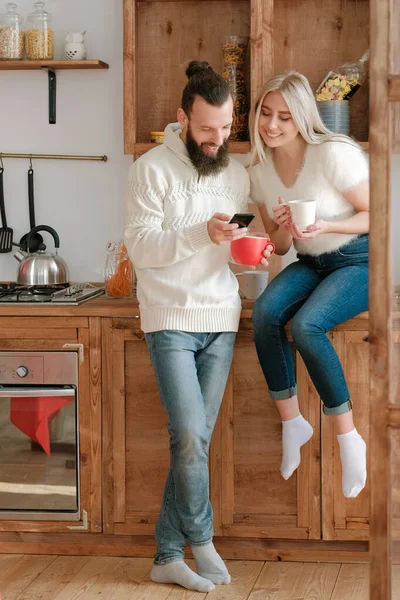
{"x": 31, "y": 577}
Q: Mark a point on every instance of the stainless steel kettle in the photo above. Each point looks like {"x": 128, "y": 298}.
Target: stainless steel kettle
{"x": 41, "y": 267}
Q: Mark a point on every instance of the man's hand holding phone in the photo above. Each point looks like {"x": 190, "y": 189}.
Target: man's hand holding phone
{"x": 223, "y": 230}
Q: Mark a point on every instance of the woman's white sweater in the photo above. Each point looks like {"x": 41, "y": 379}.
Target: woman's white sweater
{"x": 329, "y": 170}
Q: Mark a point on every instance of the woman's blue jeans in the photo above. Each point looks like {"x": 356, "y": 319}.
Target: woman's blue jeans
{"x": 191, "y": 371}
{"x": 317, "y": 293}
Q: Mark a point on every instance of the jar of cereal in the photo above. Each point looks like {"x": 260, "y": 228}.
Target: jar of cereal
{"x": 39, "y": 39}
{"x": 12, "y": 37}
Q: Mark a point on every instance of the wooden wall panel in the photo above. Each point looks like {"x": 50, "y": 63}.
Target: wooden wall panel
{"x": 314, "y": 37}
{"x": 395, "y": 69}
{"x": 130, "y": 89}
{"x": 169, "y": 35}
{"x": 380, "y": 294}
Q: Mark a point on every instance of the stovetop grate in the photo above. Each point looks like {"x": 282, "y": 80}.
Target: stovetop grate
{"x": 12, "y": 293}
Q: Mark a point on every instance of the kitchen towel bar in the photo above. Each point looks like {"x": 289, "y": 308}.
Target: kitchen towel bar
{"x": 54, "y": 156}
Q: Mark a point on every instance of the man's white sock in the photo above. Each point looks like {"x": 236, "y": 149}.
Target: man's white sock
{"x": 178, "y": 572}
{"x": 353, "y": 455}
{"x": 295, "y": 433}
{"x": 209, "y": 564}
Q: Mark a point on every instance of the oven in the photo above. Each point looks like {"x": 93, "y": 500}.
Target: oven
{"x": 39, "y": 436}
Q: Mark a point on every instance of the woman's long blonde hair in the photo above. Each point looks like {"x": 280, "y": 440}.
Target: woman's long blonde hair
{"x": 299, "y": 97}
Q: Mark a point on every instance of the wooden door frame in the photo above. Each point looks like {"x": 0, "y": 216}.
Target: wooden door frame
{"x": 380, "y": 296}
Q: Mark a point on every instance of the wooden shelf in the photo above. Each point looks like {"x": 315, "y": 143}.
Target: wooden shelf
{"x": 51, "y": 66}
{"x": 32, "y": 65}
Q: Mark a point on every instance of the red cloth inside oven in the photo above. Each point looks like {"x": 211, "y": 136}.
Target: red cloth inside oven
{"x": 32, "y": 416}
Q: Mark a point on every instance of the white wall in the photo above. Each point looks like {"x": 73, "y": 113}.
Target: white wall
{"x": 83, "y": 201}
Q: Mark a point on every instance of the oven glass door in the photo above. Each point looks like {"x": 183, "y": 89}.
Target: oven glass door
{"x": 39, "y": 472}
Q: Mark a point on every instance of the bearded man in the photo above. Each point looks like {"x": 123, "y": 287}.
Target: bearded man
{"x": 181, "y": 196}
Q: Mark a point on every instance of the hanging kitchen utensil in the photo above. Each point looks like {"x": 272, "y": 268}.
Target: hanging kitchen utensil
{"x": 6, "y": 233}
{"x": 41, "y": 267}
{"x": 36, "y": 239}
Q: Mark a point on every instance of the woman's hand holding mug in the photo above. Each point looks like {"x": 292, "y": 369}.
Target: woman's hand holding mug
{"x": 284, "y": 218}
{"x": 282, "y": 214}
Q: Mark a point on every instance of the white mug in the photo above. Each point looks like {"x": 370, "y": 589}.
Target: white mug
{"x": 303, "y": 212}
{"x": 252, "y": 283}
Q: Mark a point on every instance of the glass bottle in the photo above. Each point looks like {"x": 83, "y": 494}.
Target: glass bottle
{"x": 39, "y": 38}
{"x": 119, "y": 272}
{"x": 12, "y": 37}
{"x": 234, "y": 52}
{"x": 344, "y": 81}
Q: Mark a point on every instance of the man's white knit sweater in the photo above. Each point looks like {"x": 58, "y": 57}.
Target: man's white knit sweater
{"x": 183, "y": 278}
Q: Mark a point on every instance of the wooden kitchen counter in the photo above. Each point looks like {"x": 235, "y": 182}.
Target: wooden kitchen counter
{"x": 104, "y": 307}
{"x": 124, "y": 445}
{"x": 98, "y": 307}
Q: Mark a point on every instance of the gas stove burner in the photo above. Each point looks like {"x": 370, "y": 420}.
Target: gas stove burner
{"x": 7, "y": 287}
{"x": 34, "y": 296}
{"x": 42, "y": 290}
{"x": 11, "y": 293}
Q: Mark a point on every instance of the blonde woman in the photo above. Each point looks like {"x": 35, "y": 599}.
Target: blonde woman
{"x": 296, "y": 157}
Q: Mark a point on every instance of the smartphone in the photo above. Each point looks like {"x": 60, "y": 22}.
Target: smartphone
{"x": 242, "y": 219}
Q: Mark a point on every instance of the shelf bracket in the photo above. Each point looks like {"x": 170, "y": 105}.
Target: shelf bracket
{"x": 52, "y": 79}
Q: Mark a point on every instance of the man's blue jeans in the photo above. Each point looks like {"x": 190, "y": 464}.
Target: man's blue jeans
{"x": 317, "y": 293}
{"x": 191, "y": 371}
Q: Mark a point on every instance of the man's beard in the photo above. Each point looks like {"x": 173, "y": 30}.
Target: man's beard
{"x": 206, "y": 164}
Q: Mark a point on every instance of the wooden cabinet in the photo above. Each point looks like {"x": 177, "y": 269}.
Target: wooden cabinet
{"x": 347, "y": 519}
{"x": 82, "y": 335}
{"x": 135, "y": 438}
{"x": 249, "y": 496}
{"x": 160, "y": 38}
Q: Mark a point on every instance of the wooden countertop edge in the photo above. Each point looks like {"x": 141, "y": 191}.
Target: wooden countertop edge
{"x": 106, "y": 307}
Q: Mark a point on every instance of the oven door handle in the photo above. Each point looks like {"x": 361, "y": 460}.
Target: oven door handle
{"x": 28, "y": 392}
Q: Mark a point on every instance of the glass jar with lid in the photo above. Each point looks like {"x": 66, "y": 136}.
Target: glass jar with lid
{"x": 12, "y": 37}
{"x": 39, "y": 39}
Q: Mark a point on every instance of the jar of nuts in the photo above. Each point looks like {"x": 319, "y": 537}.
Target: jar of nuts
{"x": 39, "y": 39}
{"x": 12, "y": 37}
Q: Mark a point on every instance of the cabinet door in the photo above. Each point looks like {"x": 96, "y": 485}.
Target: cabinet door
{"x": 346, "y": 519}
{"x": 249, "y": 495}
{"x": 29, "y": 462}
{"x": 135, "y": 438}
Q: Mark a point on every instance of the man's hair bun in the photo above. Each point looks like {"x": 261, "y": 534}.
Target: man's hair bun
{"x": 197, "y": 66}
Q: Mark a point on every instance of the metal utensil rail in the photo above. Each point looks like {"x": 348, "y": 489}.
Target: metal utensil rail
{"x": 102, "y": 158}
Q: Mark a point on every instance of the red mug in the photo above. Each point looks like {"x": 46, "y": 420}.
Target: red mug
{"x": 249, "y": 250}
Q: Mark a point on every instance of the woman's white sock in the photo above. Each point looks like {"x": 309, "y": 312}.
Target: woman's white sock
{"x": 353, "y": 455}
{"x": 295, "y": 433}
{"x": 209, "y": 564}
{"x": 178, "y": 572}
